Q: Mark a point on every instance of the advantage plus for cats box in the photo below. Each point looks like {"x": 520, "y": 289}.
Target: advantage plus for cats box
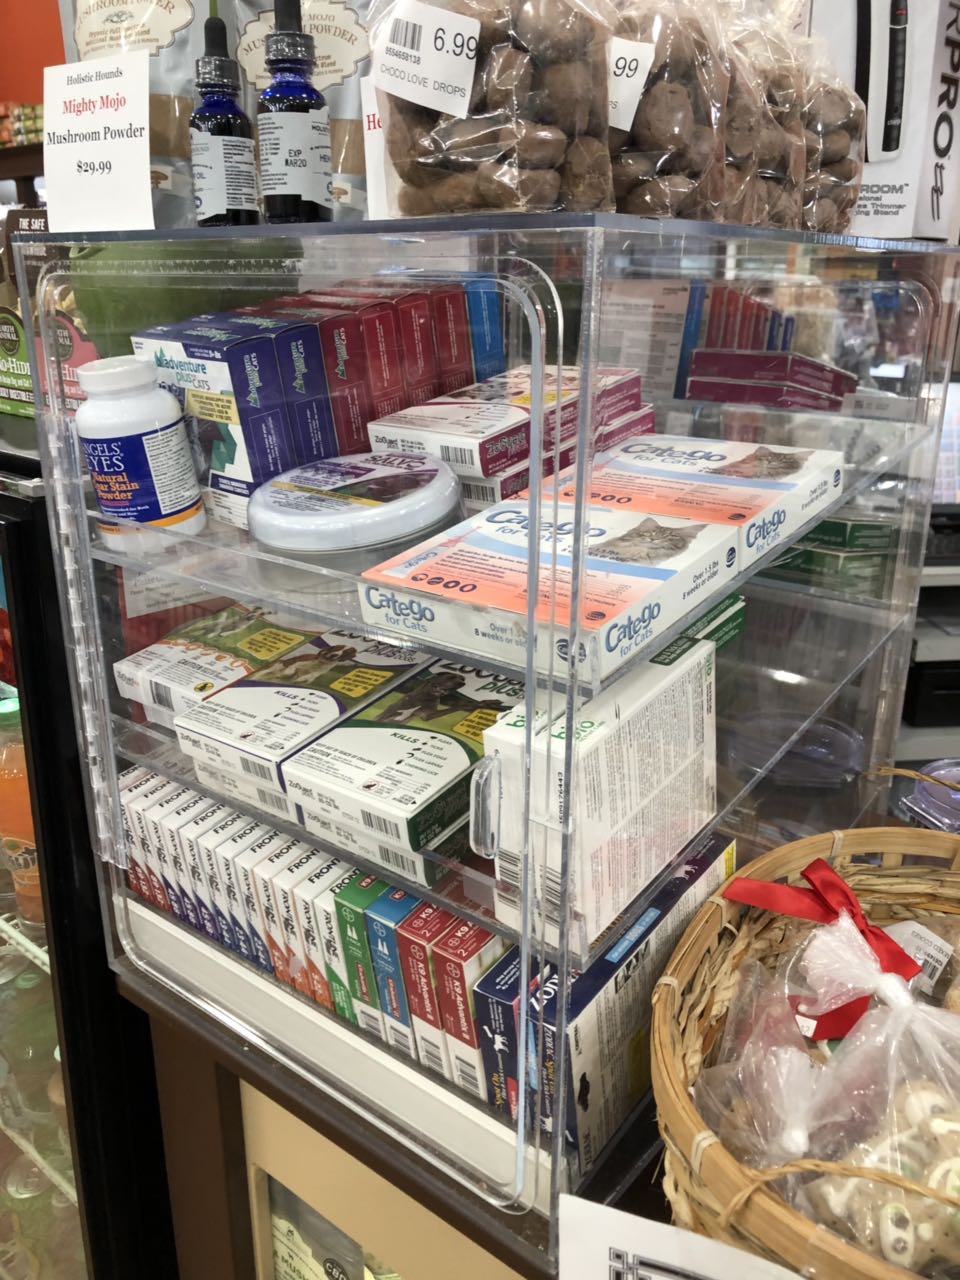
{"x": 469, "y": 585}
{"x": 252, "y": 726}
{"x": 400, "y": 768}
{"x": 768, "y": 492}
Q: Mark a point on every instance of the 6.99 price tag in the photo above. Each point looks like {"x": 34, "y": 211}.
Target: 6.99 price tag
{"x": 427, "y": 56}
{"x": 96, "y": 144}
{"x": 628, "y": 65}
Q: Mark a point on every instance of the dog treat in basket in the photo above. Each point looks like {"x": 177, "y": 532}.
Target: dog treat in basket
{"x": 495, "y": 104}
{"x": 666, "y": 140}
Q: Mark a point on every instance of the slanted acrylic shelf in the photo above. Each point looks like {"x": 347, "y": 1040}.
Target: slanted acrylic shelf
{"x": 813, "y": 654}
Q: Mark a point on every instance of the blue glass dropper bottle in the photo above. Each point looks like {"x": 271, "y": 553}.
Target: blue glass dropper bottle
{"x": 291, "y": 124}
{"x": 221, "y": 139}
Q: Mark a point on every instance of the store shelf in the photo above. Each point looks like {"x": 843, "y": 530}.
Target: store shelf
{"x": 940, "y": 575}
{"x": 59, "y": 1180}
{"x": 35, "y": 952}
{"x": 225, "y": 561}
{"x": 926, "y": 744}
{"x": 933, "y": 644}
{"x": 354, "y": 1069}
{"x": 462, "y": 889}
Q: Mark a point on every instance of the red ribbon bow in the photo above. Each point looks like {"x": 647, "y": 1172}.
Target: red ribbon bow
{"x": 826, "y": 899}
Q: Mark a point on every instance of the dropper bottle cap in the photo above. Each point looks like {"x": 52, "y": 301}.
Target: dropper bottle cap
{"x": 288, "y": 42}
{"x": 216, "y": 67}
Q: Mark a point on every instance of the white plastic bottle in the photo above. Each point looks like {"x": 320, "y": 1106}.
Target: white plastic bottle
{"x": 135, "y": 443}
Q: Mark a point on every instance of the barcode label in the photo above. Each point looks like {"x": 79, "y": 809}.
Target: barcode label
{"x": 384, "y": 826}
{"x": 467, "y": 1078}
{"x": 161, "y": 696}
{"x": 397, "y": 861}
{"x": 477, "y": 492}
{"x": 400, "y": 1039}
{"x": 368, "y": 1019}
{"x": 508, "y": 868}
{"x": 272, "y": 800}
{"x": 551, "y": 893}
{"x": 451, "y": 453}
{"x": 431, "y": 1056}
{"x": 255, "y": 768}
{"x": 409, "y": 34}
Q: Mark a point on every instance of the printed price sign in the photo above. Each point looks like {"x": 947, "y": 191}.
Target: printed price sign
{"x": 96, "y": 144}
{"x": 597, "y": 1243}
{"x": 427, "y": 56}
{"x": 628, "y": 65}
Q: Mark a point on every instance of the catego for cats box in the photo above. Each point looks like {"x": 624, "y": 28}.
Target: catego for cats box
{"x": 253, "y": 725}
{"x": 469, "y": 585}
{"x": 768, "y": 492}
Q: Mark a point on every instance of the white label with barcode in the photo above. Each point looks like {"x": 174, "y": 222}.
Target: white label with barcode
{"x": 926, "y": 947}
{"x": 427, "y": 56}
{"x": 628, "y": 65}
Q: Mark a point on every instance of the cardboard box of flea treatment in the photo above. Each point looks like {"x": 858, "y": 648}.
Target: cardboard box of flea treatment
{"x": 265, "y": 873}
{"x": 132, "y": 783}
{"x": 136, "y": 802}
{"x": 188, "y": 835}
{"x": 284, "y": 882}
{"x": 352, "y": 900}
{"x": 258, "y": 722}
{"x": 160, "y": 853}
{"x": 237, "y": 832}
{"x": 767, "y": 492}
{"x": 170, "y": 821}
{"x": 246, "y": 790}
{"x": 384, "y": 916}
{"x": 326, "y": 873}
{"x": 485, "y": 428}
{"x": 641, "y": 574}
{"x": 417, "y": 938}
{"x": 401, "y": 767}
{"x": 460, "y": 957}
{"x": 229, "y": 383}
{"x": 630, "y": 822}
{"x": 608, "y": 1020}
{"x": 364, "y": 844}
{"x": 200, "y": 657}
{"x": 338, "y": 974}
{"x": 252, "y": 918}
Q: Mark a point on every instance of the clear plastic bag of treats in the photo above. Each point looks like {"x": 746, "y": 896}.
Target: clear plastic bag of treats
{"x": 666, "y": 137}
{"x": 834, "y": 122}
{"x": 780, "y": 144}
{"x": 529, "y": 130}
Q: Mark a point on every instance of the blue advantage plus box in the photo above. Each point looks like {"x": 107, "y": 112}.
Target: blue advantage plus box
{"x": 383, "y": 917}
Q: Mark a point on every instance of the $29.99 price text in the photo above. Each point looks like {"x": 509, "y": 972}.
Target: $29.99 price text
{"x": 95, "y": 166}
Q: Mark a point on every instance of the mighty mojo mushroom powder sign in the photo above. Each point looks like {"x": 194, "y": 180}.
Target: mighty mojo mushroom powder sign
{"x": 96, "y": 144}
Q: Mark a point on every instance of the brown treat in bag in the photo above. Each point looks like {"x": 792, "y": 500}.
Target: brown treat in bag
{"x": 699, "y": 153}
{"x": 504, "y": 186}
{"x": 617, "y": 140}
{"x": 664, "y": 197}
{"x": 554, "y": 32}
{"x": 834, "y": 122}
{"x": 835, "y": 145}
{"x": 494, "y": 17}
{"x": 585, "y": 176}
{"x": 465, "y": 144}
{"x": 456, "y": 193}
{"x": 507, "y": 78}
{"x": 629, "y": 168}
{"x": 565, "y": 97}
{"x": 664, "y": 119}
{"x": 536, "y": 146}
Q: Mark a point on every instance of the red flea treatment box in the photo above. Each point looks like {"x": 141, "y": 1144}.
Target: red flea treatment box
{"x": 421, "y": 368}
{"x": 417, "y": 936}
{"x": 460, "y": 958}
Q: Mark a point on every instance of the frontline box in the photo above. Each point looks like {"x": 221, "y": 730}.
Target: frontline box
{"x": 326, "y": 873}
{"x": 232, "y": 824}
{"x": 768, "y": 492}
{"x": 401, "y": 767}
{"x": 384, "y": 916}
{"x": 133, "y": 783}
{"x": 328, "y": 925}
{"x": 485, "y": 428}
{"x": 352, "y": 900}
{"x": 251, "y": 916}
{"x": 159, "y": 855}
{"x": 460, "y": 957}
{"x": 284, "y": 883}
{"x": 229, "y": 383}
{"x": 607, "y": 1034}
{"x": 227, "y": 855}
{"x": 642, "y": 573}
{"x": 630, "y": 822}
{"x": 264, "y": 874}
{"x": 417, "y": 937}
{"x": 200, "y": 657}
{"x": 358, "y": 843}
{"x": 187, "y": 836}
{"x": 136, "y": 801}
{"x": 194, "y": 805}
{"x": 254, "y": 725}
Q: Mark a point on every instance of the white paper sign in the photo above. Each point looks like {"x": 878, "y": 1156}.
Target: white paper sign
{"x": 598, "y": 1243}
{"x": 374, "y": 153}
{"x": 96, "y": 144}
{"x": 628, "y": 65}
{"x": 427, "y": 56}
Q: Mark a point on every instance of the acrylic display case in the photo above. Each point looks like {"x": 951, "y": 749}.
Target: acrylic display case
{"x": 771, "y": 727}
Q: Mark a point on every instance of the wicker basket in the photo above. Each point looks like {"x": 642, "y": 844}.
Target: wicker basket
{"x": 710, "y": 1191}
